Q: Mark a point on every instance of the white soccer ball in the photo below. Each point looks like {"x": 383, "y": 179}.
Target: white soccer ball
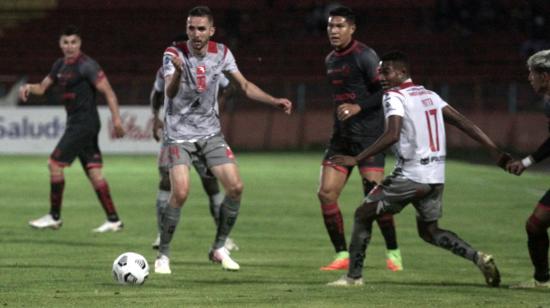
{"x": 130, "y": 268}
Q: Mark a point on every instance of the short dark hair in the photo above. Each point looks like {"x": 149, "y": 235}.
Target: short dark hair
{"x": 345, "y": 12}
{"x": 71, "y": 30}
{"x": 202, "y": 11}
{"x": 397, "y": 57}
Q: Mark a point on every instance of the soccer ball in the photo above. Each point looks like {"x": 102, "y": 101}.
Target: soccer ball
{"x": 130, "y": 268}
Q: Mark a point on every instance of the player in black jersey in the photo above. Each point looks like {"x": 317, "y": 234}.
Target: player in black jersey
{"x": 358, "y": 121}
{"x": 80, "y": 78}
{"x": 539, "y": 221}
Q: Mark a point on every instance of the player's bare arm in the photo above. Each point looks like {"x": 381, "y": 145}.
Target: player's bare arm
{"x": 455, "y": 118}
{"x": 386, "y": 140}
{"x": 34, "y": 88}
{"x": 173, "y": 81}
{"x": 104, "y": 87}
{"x": 255, "y": 93}
{"x": 518, "y": 166}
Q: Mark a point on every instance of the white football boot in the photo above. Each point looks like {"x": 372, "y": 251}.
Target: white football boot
{"x": 221, "y": 255}
{"x": 488, "y": 268}
{"x": 531, "y": 284}
{"x": 46, "y": 221}
{"x": 109, "y": 226}
{"x": 346, "y": 281}
{"x": 162, "y": 265}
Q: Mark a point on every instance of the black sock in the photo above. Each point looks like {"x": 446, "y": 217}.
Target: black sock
{"x": 360, "y": 238}
{"x": 57, "y": 185}
{"x": 334, "y": 224}
{"x": 385, "y": 222}
{"x": 387, "y": 228}
{"x": 104, "y": 196}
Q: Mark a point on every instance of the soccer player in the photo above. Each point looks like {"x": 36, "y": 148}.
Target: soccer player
{"x": 415, "y": 127}
{"x": 537, "y": 224}
{"x": 80, "y": 78}
{"x": 358, "y": 120}
{"x": 192, "y": 127}
{"x": 209, "y": 182}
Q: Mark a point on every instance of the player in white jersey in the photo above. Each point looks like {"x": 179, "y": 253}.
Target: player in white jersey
{"x": 208, "y": 181}
{"x": 415, "y": 128}
{"x": 192, "y": 70}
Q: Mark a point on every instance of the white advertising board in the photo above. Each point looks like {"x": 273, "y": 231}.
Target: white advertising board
{"x": 36, "y": 130}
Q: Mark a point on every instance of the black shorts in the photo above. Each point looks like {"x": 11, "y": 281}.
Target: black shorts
{"x": 353, "y": 148}
{"x": 81, "y": 143}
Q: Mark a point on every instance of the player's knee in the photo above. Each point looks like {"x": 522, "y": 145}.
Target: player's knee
{"x": 426, "y": 234}
{"x": 535, "y": 226}
{"x": 235, "y": 190}
{"x": 96, "y": 178}
{"x": 385, "y": 220}
{"x": 365, "y": 212}
{"x": 179, "y": 195}
{"x": 54, "y": 168}
{"x": 326, "y": 196}
{"x": 368, "y": 186}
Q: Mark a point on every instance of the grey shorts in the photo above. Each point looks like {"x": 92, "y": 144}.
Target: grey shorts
{"x": 396, "y": 192}
{"x": 203, "y": 154}
{"x": 198, "y": 163}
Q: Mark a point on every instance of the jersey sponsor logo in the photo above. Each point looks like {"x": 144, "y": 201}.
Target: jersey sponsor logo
{"x": 344, "y": 70}
{"x": 68, "y": 96}
{"x": 427, "y": 102}
{"x": 419, "y": 92}
{"x": 344, "y": 97}
{"x": 201, "y": 78}
{"x": 431, "y": 159}
{"x": 64, "y": 77}
{"x": 26, "y": 128}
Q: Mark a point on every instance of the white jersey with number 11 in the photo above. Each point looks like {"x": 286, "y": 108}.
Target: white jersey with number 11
{"x": 421, "y": 149}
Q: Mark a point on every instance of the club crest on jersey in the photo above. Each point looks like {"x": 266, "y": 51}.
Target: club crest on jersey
{"x": 201, "y": 78}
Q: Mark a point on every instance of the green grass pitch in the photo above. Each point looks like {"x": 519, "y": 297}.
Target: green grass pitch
{"x": 280, "y": 232}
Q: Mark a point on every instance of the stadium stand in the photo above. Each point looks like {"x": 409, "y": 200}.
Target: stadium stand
{"x": 477, "y": 68}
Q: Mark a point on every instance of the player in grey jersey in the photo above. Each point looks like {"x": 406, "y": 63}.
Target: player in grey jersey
{"x": 209, "y": 182}
{"x": 191, "y": 71}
